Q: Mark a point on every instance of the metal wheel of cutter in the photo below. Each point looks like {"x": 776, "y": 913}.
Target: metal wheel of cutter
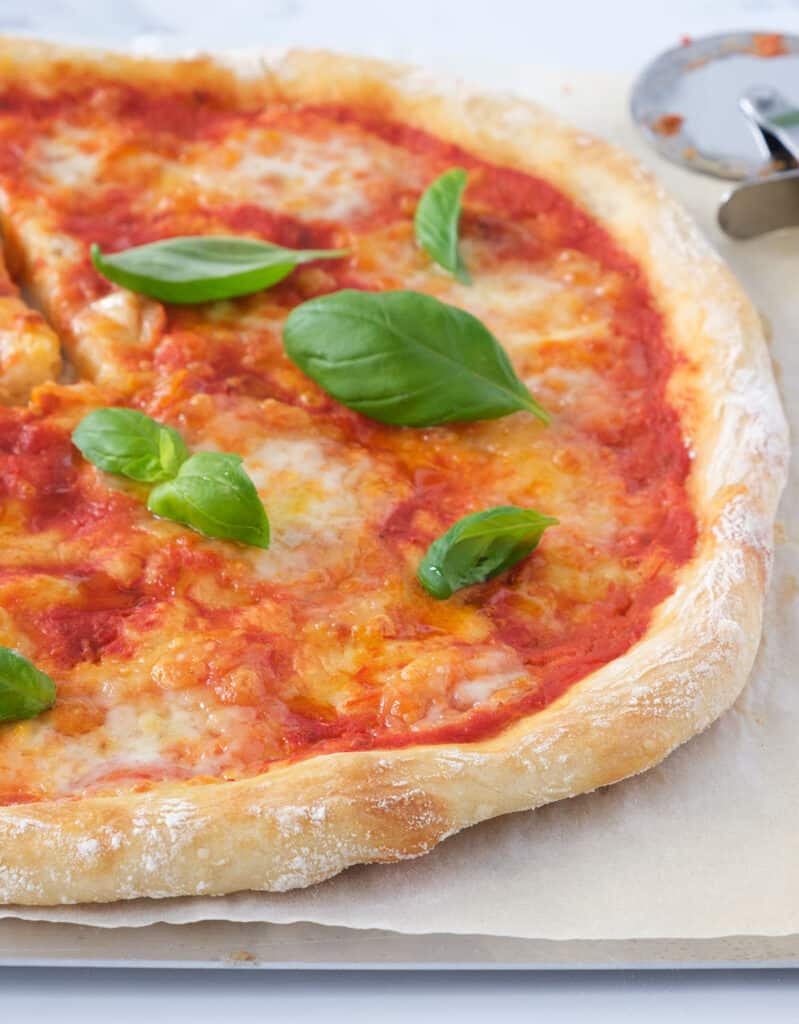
{"x": 728, "y": 105}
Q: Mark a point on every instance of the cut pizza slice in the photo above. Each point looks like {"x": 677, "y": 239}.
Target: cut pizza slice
{"x": 30, "y": 352}
{"x": 230, "y": 716}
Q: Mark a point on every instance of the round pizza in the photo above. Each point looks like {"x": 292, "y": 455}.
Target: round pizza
{"x": 376, "y": 457}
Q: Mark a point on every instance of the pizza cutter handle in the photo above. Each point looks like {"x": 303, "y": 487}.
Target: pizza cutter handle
{"x": 761, "y": 205}
{"x": 770, "y": 202}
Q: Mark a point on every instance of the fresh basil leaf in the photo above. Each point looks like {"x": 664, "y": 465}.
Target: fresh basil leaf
{"x": 437, "y": 220}
{"x": 24, "y": 691}
{"x": 213, "y": 495}
{"x": 127, "y": 442}
{"x": 202, "y": 268}
{"x": 480, "y": 546}
{"x": 404, "y": 358}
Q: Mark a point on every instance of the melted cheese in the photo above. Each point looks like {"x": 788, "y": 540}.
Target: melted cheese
{"x": 319, "y": 499}
{"x": 323, "y": 177}
{"x": 71, "y": 161}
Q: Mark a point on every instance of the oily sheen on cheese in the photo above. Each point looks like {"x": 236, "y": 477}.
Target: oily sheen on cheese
{"x": 177, "y": 657}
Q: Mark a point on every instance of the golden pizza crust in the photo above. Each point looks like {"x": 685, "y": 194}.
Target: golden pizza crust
{"x": 301, "y": 823}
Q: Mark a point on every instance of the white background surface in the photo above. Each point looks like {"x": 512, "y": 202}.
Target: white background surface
{"x": 487, "y": 41}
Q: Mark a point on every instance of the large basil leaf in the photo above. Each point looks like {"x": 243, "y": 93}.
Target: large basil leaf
{"x": 203, "y": 268}
{"x": 437, "y": 220}
{"x": 24, "y": 691}
{"x": 213, "y": 495}
{"x": 480, "y": 546}
{"x": 405, "y": 358}
{"x": 127, "y": 442}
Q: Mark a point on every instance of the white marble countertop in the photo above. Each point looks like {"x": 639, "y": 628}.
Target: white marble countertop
{"x": 489, "y": 41}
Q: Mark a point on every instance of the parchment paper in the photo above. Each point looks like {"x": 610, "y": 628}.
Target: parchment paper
{"x": 705, "y": 845}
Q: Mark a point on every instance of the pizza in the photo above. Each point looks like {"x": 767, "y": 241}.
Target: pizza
{"x": 376, "y": 457}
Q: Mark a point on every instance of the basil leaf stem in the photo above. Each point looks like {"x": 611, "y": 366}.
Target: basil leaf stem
{"x": 479, "y": 547}
{"x": 405, "y": 358}
{"x": 127, "y": 442}
{"x": 437, "y": 221}
{"x": 24, "y": 690}
{"x": 203, "y": 268}
{"x": 213, "y": 495}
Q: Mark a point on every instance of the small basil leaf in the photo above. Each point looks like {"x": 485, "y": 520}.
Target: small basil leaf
{"x": 480, "y": 546}
{"x": 24, "y": 691}
{"x": 437, "y": 219}
{"x": 203, "y": 268}
{"x": 127, "y": 442}
{"x": 213, "y": 495}
{"x": 405, "y": 358}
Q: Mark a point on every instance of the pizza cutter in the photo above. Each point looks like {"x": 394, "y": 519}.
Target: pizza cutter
{"x": 728, "y": 105}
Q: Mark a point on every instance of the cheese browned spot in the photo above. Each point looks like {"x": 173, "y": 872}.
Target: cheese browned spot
{"x": 178, "y": 656}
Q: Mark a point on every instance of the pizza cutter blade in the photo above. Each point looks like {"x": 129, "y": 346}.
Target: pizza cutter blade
{"x": 728, "y": 105}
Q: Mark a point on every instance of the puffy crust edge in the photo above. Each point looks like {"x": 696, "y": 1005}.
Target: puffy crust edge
{"x": 304, "y": 822}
